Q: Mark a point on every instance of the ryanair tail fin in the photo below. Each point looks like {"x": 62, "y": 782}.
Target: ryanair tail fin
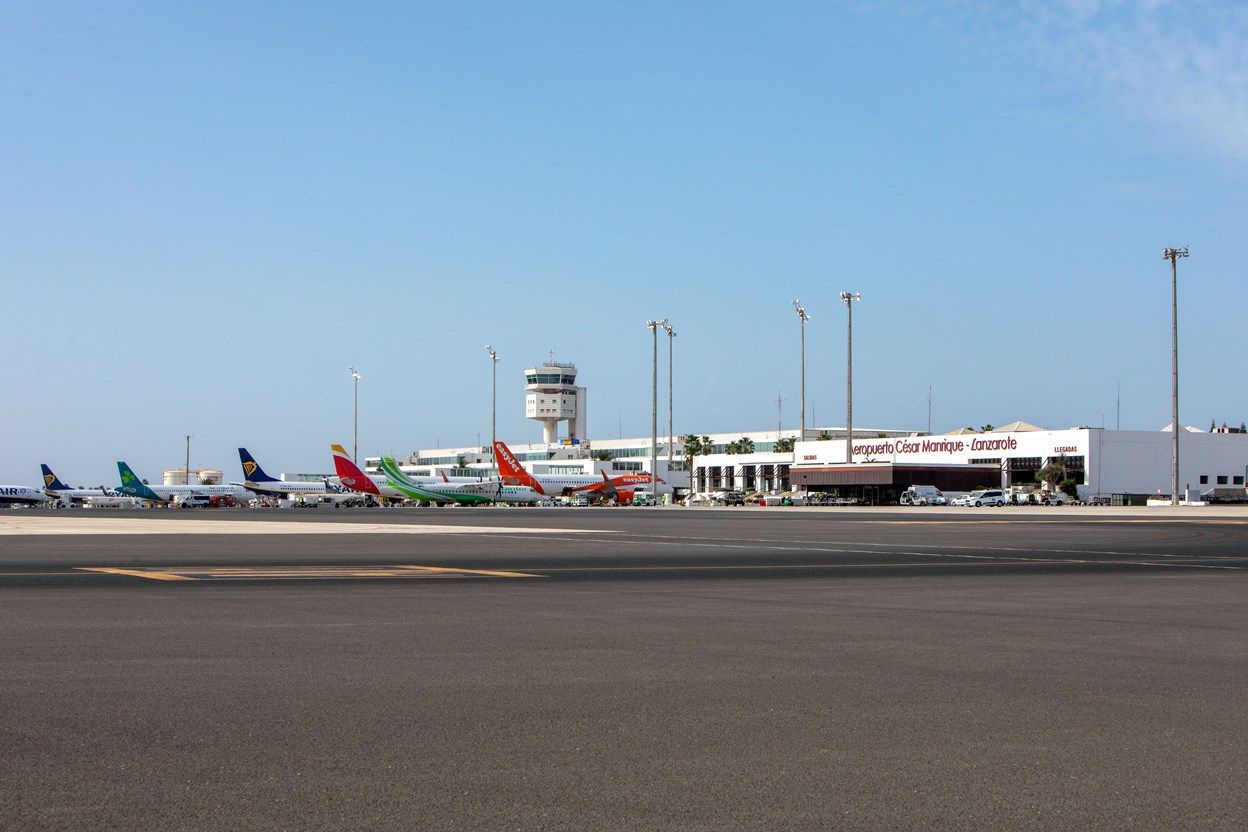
{"x": 252, "y": 472}
{"x": 51, "y": 481}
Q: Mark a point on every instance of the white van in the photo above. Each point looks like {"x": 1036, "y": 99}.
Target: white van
{"x": 194, "y": 501}
{"x": 988, "y": 497}
{"x": 923, "y": 495}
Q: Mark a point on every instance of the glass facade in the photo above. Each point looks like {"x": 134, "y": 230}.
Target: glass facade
{"x": 549, "y": 378}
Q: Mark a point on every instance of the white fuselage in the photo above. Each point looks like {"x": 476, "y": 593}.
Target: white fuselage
{"x": 388, "y": 491}
{"x": 168, "y": 492}
{"x": 558, "y": 484}
{"x": 78, "y": 494}
{"x": 21, "y": 494}
{"x": 519, "y": 494}
{"x": 287, "y": 487}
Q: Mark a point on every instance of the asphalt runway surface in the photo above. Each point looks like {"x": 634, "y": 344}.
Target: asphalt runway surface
{"x": 624, "y": 669}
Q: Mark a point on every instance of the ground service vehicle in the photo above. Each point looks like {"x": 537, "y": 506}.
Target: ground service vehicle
{"x": 644, "y": 498}
{"x": 193, "y": 501}
{"x": 923, "y": 495}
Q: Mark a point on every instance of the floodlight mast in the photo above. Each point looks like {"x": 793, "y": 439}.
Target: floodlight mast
{"x": 493, "y": 404}
{"x": 803, "y": 318}
{"x": 849, "y": 299}
{"x": 671, "y": 336}
{"x": 653, "y": 326}
{"x": 1173, "y": 255}
{"x": 355, "y": 448}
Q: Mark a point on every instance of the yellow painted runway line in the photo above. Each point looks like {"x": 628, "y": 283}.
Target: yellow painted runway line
{"x": 136, "y": 573}
{"x": 494, "y": 573}
{"x": 227, "y": 573}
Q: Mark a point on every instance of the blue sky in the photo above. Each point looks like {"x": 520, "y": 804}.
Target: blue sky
{"x": 208, "y": 210}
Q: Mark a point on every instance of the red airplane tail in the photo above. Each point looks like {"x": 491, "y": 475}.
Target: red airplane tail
{"x": 349, "y": 473}
{"x": 510, "y": 471}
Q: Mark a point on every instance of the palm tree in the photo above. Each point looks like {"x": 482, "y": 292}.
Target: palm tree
{"x": 695, "y": 446}
{"x": 785, "y": 445}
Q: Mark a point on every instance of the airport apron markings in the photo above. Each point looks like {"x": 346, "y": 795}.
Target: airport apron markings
{"x": 237, "y": 573}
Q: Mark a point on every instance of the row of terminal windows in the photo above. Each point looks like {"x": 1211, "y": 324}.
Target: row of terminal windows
{"x": 1222, "y": 479}
{"x": 759, "y": 448}
{"x": 549, "y": 378}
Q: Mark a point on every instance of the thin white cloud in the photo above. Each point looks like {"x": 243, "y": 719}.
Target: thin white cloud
{"x": 1179, "y": 64}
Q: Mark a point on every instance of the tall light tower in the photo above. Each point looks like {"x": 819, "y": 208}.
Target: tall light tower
{"x": 803, "y": 318}
{"x": 355, "y": 448}
{"x": 671, "y": 336}
{"x": 849, "y": 298}
{"x": 654, "y": 406}
{"x": 493, "y": 403}
{"x": 1173, "y": 255}
{"x": 187, "y": 479}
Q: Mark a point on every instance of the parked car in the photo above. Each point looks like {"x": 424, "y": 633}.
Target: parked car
{"x": 734, "y": 498}
{"x": 989, "y": 497}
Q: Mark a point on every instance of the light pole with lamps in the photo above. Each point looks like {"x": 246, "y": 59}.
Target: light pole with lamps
{"x": 186, "y": 478}
{"x": 493, "y": 404}
{"x": 654, "y": 406}
{"x": 671, "y": 335}
{"x": 1173, "y": 255}
{"x": 355, "y": 448}
{"x": 849, "y": 298}
{"x": 803, "y": 318}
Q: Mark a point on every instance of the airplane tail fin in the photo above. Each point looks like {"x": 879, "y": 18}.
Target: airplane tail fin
{"x": 131, "y": 485}
{"x": 51, "y": 480}
{"x": 393, "y": 472}
{"x": 510, "y": 471}
{"x": 445, "y": 478}
{"x": 252, "y": 471}
{"x": 349, "y": 474}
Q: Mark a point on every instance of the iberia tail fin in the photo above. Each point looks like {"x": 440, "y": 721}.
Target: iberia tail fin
{"x": 349, "y": 474}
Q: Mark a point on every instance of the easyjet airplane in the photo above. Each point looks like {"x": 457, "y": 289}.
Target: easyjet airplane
{"x": 553, "y": 485}
{"x": 393, "y": 484}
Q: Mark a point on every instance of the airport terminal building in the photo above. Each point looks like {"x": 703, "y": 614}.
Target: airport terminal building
{"x": 1102, "y": 462}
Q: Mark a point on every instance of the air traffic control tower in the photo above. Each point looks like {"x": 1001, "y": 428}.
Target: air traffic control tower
{"x": 551, "y": 396}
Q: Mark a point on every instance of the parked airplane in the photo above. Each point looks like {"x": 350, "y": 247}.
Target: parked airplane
{"x": 621, "y": 487}
{"x": 350, "y": 475}
{"x": 53, "y": 487}
{"x": 14, "y": 494}
{"x": 385, "y": 487}
{"x": 132, "y": 486}
{"x": 255, "y": 479}
{"x": 462, "y": 493}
